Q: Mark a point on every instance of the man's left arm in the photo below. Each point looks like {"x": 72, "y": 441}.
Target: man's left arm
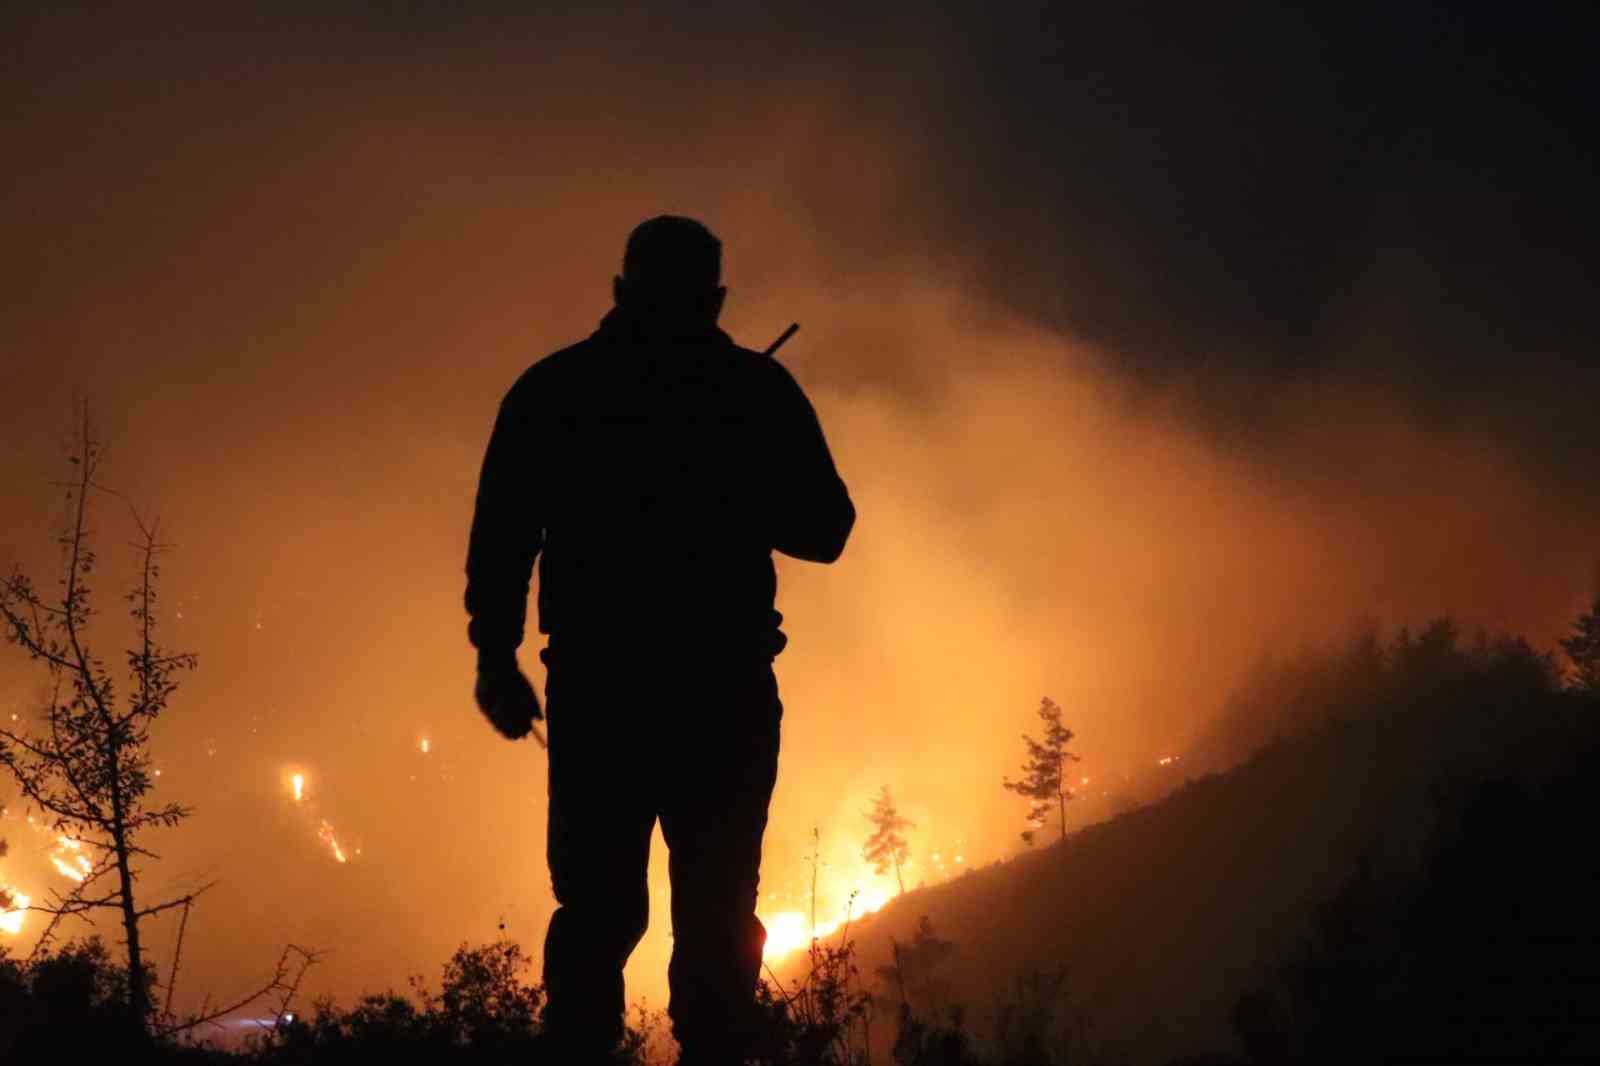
{"x": 810, "y": 514}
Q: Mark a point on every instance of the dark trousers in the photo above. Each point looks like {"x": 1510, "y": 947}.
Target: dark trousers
{"x": 692, "y": 741}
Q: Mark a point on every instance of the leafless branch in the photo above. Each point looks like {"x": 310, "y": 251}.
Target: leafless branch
{"x": 171, "y": 904}
{"x": 286, "y": 979}
{"x": 45, "y": 937}
{"x": 71, "y": 906}
{"x": 62, "y": 910}
{"x": 177, "y": 956}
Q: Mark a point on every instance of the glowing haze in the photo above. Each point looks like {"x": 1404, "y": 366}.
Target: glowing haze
{"x": 294, "y": 281}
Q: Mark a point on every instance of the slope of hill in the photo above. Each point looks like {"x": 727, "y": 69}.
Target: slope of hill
{"x": 1163, "y": 916}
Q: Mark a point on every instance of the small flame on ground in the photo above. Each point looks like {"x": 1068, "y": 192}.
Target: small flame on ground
{"x": 426, "y": 743}
{"x": 298, "y": 784}
{"x": 11, "y": 920}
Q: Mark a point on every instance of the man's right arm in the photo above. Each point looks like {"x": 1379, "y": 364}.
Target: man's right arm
{"x": 506, "y": 536}
{"x": 811, "y": 514}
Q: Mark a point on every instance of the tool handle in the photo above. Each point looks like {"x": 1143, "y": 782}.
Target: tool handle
{"x": 772, "y": 349}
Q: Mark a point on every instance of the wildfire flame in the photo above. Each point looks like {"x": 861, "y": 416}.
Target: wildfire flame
{"x": 296, "y": 780}
{"x": 786, "y": 933}
{"x": 69, "y": 860}
{"x": 325, "y": 834}
{"x": 425, "y": 745}
{"x": 11, "y": 920}
{"x": 790, "y": 931}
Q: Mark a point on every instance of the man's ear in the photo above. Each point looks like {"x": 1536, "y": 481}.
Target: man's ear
{"x": 717, "y": 301}
{"x": 619, "y": 290}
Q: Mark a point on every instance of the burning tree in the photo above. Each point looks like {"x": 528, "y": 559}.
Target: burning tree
{"x": 1583, "y": 648}
{"x": 887, "y": 846}
{"x": 86, "y": 765}
{"x": 1044, "y": 781}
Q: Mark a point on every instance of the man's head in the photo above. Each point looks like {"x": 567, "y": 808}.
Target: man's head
{"x": 671, "y": 270}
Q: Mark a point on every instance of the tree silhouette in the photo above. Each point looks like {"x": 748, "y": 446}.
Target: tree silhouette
{"x": 1044, "y": 781}
{"x": 887, "y": 846}
{"x": 87, "y": 764}
{"x": 484, "y": 999}
{"x": 930, "y": 1030}
{"x": 915, "y": 970}
{"x": 1583, "y": 648}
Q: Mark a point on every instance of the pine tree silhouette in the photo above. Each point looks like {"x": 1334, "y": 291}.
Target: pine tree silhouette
{"x": 887, "y": 845}
{"x": 1044, "y": 780}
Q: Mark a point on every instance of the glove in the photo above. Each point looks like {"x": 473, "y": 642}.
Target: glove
{"x": 506, "y": 698}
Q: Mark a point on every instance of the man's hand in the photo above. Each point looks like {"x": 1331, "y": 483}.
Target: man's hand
{"x": 507, "y": 699}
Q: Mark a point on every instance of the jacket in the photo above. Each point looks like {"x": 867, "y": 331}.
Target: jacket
{"x": 652, "y": 477}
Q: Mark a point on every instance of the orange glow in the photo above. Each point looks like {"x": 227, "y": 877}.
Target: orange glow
{"x": 790, "y": 931}
{"x": 787, "y": 932}
{"x": 69, "y": 860}
{"x": 11, "y": 920}
{"x": 1026, "y": 527}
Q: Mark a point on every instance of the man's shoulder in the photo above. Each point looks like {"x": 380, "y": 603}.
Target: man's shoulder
{"x": 576, "y": 364}
{"x": 748, "y": 361}
{"x": 739, "y": 351}
{"x": 550, "y": 371}
{"x": 563, "y": 360}
{"x": 773, "y": 374}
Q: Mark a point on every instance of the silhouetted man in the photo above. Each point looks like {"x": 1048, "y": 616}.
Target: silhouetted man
{"x": 657, "y": 466}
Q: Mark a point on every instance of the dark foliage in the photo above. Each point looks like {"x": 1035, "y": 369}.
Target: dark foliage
{"x": 1583, "y": 649}
{"x": 916, "y": 975}
{"x": 942, "y": 1042}
{"x": 824, "y": 1019}
{"x": 483, "y": 1012}
{"x": 1367, "y": 678}
{"x": 73, "y": 997}
{"x": 1493, "y": 955}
